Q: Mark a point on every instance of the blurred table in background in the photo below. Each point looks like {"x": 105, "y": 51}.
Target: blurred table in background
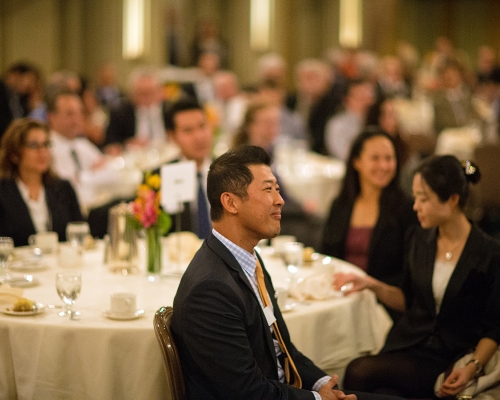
{"x": 120, "y": 176}
{"x": 310, "y": 178}
{"x": 460, "y": 142}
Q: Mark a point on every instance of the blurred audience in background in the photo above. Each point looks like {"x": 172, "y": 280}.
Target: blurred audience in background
{"x": 323, "y": 109}
{"x": 453, "y": 103}
{"x": 72, "y": 152}
{"x": 344, "y": 127}
{"x": 291, "y": 126}
{"x": 108, "y": 92}
{"x": 19, "y": 93}
{"x": 140, "y": 119}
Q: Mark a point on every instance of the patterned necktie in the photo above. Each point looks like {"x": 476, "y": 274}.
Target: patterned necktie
{"x": 76, "y": 161}
{"x": 261, "y": 286}
{"x": 204, "y": 225}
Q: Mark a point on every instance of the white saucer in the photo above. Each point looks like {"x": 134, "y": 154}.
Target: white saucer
{"x": 121, "y": 317}
{"x": 27, "y": 265}
{"x": 24, "y": 281}
{"x": 8, "y": 309}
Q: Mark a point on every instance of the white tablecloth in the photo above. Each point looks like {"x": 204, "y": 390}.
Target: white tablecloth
{"x": 50, "y": 357}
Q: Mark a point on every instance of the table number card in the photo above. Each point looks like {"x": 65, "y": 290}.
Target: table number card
{"x": 178, "y": 185}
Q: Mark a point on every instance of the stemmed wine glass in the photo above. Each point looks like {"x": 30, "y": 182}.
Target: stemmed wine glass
{"x": 69, "y": 285}
{"x": 6, "y": 251}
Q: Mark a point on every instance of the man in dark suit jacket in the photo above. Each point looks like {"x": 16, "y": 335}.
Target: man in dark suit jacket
{"x": 140, "y": 119}
{"x": 225, "y": 336}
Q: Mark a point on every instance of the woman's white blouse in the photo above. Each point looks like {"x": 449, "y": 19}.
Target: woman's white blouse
{"x": 440, "y": 278}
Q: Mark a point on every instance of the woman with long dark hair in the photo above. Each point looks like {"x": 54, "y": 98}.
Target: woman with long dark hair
{"x": 369, "y": 218}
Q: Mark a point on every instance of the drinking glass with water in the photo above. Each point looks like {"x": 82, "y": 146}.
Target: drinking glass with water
{"x": 76, "y": 233}
{"x": 6, "y": 252}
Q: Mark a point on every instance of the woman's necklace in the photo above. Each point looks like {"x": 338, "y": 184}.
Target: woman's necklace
{"x": 448, "y": 255}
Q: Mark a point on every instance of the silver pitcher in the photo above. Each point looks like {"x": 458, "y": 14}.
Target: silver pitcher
{"x": 121, "y": 244}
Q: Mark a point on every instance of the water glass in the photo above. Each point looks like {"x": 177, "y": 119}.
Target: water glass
{"x": 6, "y": 251}
{"x": 76, "y": 233}
{"x": 293, "y": 257}
{"x": 68, "y": 286}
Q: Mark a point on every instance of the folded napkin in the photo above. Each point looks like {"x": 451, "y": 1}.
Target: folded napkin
{"x": 9, "y": 295}
{"x": 182, "y": 246}
{"x": 312, "y": 287}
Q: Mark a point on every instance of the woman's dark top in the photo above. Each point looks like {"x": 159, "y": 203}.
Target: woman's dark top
{"x": 15, "y": 219}
{"x": 385, "y": 254}
{"x": 471, "y": 305}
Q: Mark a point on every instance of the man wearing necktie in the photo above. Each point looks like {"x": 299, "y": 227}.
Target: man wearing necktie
{"x": 72, "y": 153}
{"x": 231, "y": 337}
{"x": 188, "y": 128}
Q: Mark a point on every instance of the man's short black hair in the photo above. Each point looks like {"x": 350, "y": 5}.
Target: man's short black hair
{"x": 230, "y": 173}
{"x": 184, "y": 104}
{"x": 22, "y": 68}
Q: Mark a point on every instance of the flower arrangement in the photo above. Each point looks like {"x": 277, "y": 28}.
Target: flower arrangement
{"x": 147, "y": 214}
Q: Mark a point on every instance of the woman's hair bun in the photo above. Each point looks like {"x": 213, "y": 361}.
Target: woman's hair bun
{"x": 471, "y": 171}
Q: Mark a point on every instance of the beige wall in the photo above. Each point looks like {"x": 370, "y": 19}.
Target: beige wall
{"x": 82, "y": 34}
{"x": 31, "y": 31}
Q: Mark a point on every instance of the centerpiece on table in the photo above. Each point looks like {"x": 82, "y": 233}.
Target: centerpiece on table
{"x": 147, "y": 214}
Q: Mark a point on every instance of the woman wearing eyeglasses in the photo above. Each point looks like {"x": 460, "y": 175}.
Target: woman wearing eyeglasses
{"x": 32, "y": 198}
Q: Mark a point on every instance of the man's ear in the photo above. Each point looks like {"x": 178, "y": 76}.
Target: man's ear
{"x": 15, "y": 159}
{"x": 230, "y": 202}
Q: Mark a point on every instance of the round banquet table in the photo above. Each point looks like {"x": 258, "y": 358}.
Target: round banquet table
{"x": 50, "y": 357}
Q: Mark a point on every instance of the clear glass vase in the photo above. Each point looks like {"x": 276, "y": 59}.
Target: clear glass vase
{"x": 153, "y": 251}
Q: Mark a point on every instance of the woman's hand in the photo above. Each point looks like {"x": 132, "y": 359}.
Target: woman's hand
{"x": 349, "y": 283}
{"x": 457, "y": 380}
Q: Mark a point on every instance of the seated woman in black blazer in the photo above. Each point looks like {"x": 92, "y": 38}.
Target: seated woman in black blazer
{"x": 450, "y": 295}
{"x": 369, "y": 218}
{"x": 32, "y": 198}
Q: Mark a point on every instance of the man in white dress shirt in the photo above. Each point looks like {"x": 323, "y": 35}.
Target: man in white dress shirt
{"x": 72, "y": 153}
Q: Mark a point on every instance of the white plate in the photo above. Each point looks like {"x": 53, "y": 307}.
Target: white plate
{"x": 27, "y": 265}
{"x": 9, "y": 310}
{"x": 24, "y": 281}
{"x": 120, "y": 317}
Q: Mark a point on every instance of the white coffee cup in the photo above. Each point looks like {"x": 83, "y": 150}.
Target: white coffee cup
{"x": 278, "y": 243}
{"x": 47, "y": 242}
{"x": 281, "y": 294}
{"x": 123, "y": 304}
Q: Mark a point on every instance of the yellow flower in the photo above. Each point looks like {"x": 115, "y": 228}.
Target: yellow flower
{"x": 153, "y": 181}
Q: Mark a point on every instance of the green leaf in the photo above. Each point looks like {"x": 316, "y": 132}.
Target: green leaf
{"x": 134, "y": 223}
{"x": 163, "y": 223}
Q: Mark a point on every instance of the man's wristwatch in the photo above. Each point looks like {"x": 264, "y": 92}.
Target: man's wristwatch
{"x": 478, "y": 364}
